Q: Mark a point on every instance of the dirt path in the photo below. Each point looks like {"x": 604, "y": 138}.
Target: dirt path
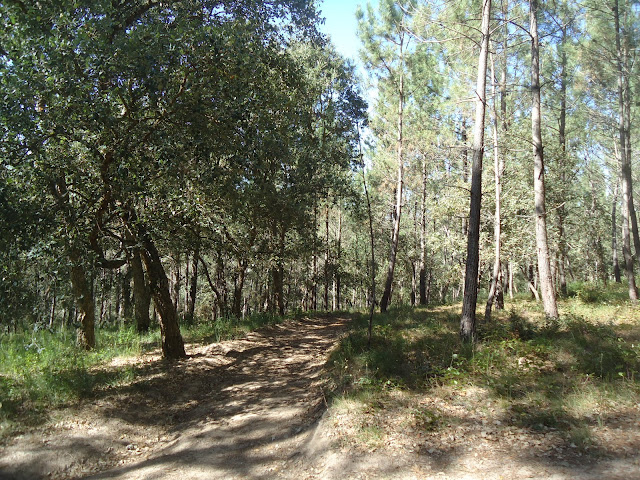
{"x": 238, "y": 409}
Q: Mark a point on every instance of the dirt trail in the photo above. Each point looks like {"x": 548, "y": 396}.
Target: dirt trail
{"x": 238, "y": 409}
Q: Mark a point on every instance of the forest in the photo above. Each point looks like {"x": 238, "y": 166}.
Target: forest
{"x": 199, "y": 160}
{"x": 172, "y": 166}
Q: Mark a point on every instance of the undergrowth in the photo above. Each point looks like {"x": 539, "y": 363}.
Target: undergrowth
{"x": 227, "y": 328}
{"x": 547, "y": 374}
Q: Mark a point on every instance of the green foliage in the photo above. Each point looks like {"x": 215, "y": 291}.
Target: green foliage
{"x": 229, "y": 129}
{"x": 228, "y": 328}
{"x": 395, "y": 359}
{"x": 590, "y": 293}
{"x": 209, "y": 126}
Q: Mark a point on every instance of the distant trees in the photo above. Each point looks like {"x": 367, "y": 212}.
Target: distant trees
{"x": 387, "y": 50}
{"x": 575, "y": 74}
{"x": 542, "y": 245}
{"x": 400, "y": 66}
{"x": 614, "y": 28}
{"x": 623, "y": 69}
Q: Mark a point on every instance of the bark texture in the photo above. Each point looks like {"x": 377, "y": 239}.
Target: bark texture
{"x": 625, "y": 177}
{"x": 542, "y": 245}
{"x": 236, "y": 308}
{"x": 614, "y": 236}
{"x": 141, "y": 293}
{"x": 85, "y": 304}
{"x": 495, "y": 289}
{"x": 562, "y": 125}
{"x": 468, "y": 318}
{"x": 193, "y": 286}
{"x": 395, "y": 236}
{"x": 81, "y": 286}
{"x": 172, "y": 343}
{"x": 423, "y": 236}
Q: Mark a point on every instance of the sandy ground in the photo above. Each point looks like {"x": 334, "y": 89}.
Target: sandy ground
{"x": 254, "y": 408}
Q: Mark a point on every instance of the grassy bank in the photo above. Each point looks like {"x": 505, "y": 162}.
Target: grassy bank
{"x": 564, "y": 376}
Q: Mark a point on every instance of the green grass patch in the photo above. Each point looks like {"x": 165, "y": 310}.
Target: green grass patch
{"x": 598, "y": 294}
{"x": 44, "y": 369}
{"x": 227, "y": 328}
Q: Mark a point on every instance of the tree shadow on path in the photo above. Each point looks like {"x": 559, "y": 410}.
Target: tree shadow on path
{"x": 237, "y": 409}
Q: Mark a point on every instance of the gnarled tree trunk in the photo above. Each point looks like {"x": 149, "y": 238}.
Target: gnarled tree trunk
{"x": 81, "y": 286}
{"x": 172, "y": 343}
{"x": 85, "y": 304}
{"x": 141, "y": 293}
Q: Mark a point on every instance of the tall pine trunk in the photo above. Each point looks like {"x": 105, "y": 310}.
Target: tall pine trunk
{"x": 423, "y": 235}
{"x": 627, "y": 66}
{"x": 614, "y": 236}
{"x": 314, "y": 266}
{"x": 395, "y": 236}
{"x": 542, "y": 246}
{"x": 336, "y": 275}
{"x": 627, "y": 195}
{"x": 326, "y": 257}
{"x": 464, "y": 225}
{"x": 495, "y": 289}
{"x": 468, "y": 318}
{"x": 562, "y": 126}
{"x": 372, "y": 294}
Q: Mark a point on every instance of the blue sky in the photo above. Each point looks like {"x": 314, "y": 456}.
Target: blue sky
{"x": 341, "y": 25}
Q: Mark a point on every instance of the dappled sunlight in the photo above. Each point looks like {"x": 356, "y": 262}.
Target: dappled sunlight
{"x": 200, "y": 201}
{"x": 235, "y": 408}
